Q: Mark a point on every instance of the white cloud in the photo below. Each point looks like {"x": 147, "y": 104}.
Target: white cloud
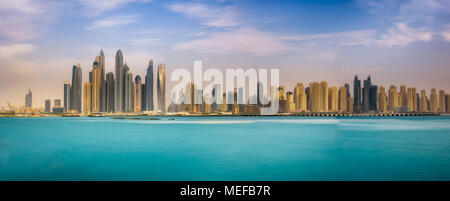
{"x": 113, "y": 21}
{"x": 25, "y": 19}
{"x": 144, "y": 41}
{"x": 358, "y": 37}
{"x": 209, "y": 15}
{"x": 15, "y": 50}
{"x": 97, "y": 7}
{"x": 243, "y": 40}
{"x": 446, "y": 34}
{"x": 401, "y": 34}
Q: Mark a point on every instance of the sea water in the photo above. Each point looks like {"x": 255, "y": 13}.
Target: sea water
{"x": 225, "y": 148}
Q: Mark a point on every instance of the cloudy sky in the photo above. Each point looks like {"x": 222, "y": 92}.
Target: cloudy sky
{"x": 395, "y": 41}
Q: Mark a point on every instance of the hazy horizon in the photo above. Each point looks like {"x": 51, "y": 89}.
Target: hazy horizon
{"x": 396, "y": 42}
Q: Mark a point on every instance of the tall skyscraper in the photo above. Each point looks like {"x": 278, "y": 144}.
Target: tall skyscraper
{"x": 300, "y": 97}
{"x": 423, "y": 103}
{"x": 48, "y": 106}
{"x": 411, "y": 99}
{"x": 149, "y": 87}
{"x": 101, "y": 64}
{"x": 314, "y": 94}
{"x": 323, "y": 97}
{"x": 95, "y": 86}
{"x": 103, "y": 96}
{"x": 382, "y": 100}
{"x": 447, "y": 100}
{"x": 138, "y": 97}
{"x": 110, "y": 92}
{"x": 347, "y": 89}
{"x": 290, "y": 102}
{"x": 144, "y": 97}
{"x": 66, "y": 96}
{"x": 373, "y": 98}
{"x": 333, "y": 102}
{"x": 128, "y": 92}
{"x": 366, "y": 95}
{"x": 342, "y": 99}
{"x": 403, "y": 96}
{"x": 393, "y": 98}
{"x": 161, "y": 92}
{"x": 434, "y": 101}
{"x": 75, "y": 93}
{"x": 282, "y": 100}
{"x": 356, "y": 95}
{"x": 29, "y": 99}
{"x": 118, "y": 82}
{"x": 87, "y": 95}
{"x": 442, "y": 103}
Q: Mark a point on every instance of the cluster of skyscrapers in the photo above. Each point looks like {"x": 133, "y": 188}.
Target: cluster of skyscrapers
{"x": 117, "y": 92}
{"x": 120, "y": 92}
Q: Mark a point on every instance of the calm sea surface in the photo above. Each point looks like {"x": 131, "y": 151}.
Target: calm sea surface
{"x": 225, "y": 148}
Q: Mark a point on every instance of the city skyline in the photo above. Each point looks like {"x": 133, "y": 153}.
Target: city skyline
{"x": 124, "y": 92}
{"x": 401, "y": 42}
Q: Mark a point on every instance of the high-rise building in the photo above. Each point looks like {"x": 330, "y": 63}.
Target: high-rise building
{"x": 366, "y": 95}
{"x": 144, "y": 97}
{"x": 434, "y": 101}
{"x": 161, "y": 92}
{"x": 259, "y": 93}
{"x": 224, "y": 102}
{"x": 423, "y": 103}
{"x": 281, "y": 93}
{"x": 382, "y": 100}
{"x": 101, "y": 65}
{"x": 357, "y": 95}
{"x": 323, "y": 97}
{"x": 300, "y": 97}
{"x": 75, "y": 92}
{"x": 29, "y": 99}
{"x": 342, "y": 99}
{"x": 373, "y": 98}
{"x": 104, "y": 96}
{"x": 447, "y": 100}
{"x": 412, "y": 99}
{"x": 347, "y": 89}
{"x": 282, "y": 100}
{"x": 110, "y": 91}
{"x": 314, "y": 94}
{"x": 95, "y": 86}
{"x": 350, "y": 104}
{"x": 48, "y": 106}
{"x": 128, "y": 92}
{"x": 149, "y": 87}
{"x": 118, "y": 82}
{"x": 333, "y": 100}
{"x": 125, "y": 70}
{"x": 393, "y": 98}
{"x": 87, "y": 95}
{"x": 138, "y": 92}
{"x": 403, "y": 96}
{"x": 57, "y": 103}
{"x": 290, "y": 102}
{"x": 67, "y": 90}
{"x": 442, "y": 103}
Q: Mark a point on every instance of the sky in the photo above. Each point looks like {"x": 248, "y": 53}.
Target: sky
{"x": 394, "y": 41}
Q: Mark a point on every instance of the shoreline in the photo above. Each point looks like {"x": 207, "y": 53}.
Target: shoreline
{"x": 231, "y": 115}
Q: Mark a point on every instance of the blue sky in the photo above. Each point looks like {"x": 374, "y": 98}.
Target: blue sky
{"x": 395, "y": 41}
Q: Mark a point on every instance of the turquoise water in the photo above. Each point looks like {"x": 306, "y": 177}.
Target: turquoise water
{"x": 225, "y": 148}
